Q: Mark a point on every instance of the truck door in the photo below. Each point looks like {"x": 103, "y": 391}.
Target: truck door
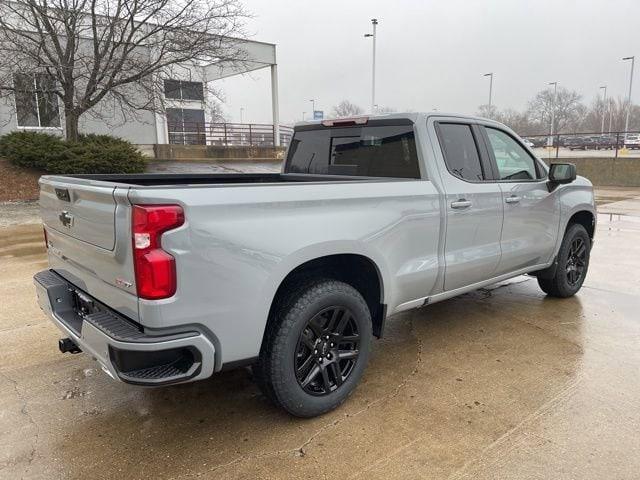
{"x": 531, "y": 213}
{"x": 473, "y": 206}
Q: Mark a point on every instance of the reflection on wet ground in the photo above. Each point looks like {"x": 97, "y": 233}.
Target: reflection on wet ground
{"x": 499, "y": 383}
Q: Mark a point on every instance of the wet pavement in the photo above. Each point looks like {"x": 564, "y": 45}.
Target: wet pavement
{"x": 499, "y": 383}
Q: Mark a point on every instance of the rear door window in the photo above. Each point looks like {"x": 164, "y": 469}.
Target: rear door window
{"x": 367, "y": 151}
{"x": 460, "y": 151}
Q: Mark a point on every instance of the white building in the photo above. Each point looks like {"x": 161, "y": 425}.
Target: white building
{"x": 185, "y": 119}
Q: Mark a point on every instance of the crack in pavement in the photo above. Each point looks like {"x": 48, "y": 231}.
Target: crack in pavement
{"x": 300, "y": 450}
{"x": 24, "y": 411}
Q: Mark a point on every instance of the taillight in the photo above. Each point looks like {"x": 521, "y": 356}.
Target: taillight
{"x": 155, "y": 269}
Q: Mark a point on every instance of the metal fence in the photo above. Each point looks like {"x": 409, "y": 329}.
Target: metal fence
{"x": 228, "y": 134}
{"x": 589, "y": 144}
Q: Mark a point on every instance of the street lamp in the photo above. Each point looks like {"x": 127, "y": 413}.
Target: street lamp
{"x": 626, "y": 123}
{"x": 374, "y": 22}
{"x": 604, "y": 105}
{"x": 553, "y": 112}
{"x": 490, "y": 75}
{"x": 313, "y": 106}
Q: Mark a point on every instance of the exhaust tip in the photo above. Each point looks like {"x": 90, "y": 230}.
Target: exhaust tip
{"x": 66, "y": 345}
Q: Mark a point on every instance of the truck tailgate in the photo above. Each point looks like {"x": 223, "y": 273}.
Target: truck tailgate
{"x": 84, "y": 212}
{"x": 88, "y": 225}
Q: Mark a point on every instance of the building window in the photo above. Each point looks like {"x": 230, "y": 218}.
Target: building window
{"x": 186, "y": 126}
{"x": 179, "y": 90}
{"x": 36, "y": 102}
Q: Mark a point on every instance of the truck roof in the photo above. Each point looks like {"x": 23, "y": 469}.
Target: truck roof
{"x": 413, "y": 116}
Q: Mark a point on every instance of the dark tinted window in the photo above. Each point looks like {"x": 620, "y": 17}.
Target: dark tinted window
{"x": 460, "y": 151}
{"x": 192, "y": 91}
{"x": 172, "y": 89}
{"x": 36, "y": 101}
{"x": 186, "y": 126}
{"x": 183, "y": 90}
{"x": 372, "y": 151}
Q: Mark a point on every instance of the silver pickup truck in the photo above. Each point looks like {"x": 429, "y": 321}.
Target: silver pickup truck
{"x": 171, "y": 278}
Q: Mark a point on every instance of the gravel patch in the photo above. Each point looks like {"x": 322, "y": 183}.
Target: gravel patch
{"x": 19, "y": 213}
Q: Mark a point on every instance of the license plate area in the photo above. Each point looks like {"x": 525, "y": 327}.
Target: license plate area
{"x": 83, "y": 305}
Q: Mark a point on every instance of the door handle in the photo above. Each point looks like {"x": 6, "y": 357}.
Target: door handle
{"x": 462, "y": 203}
{"x": 512, "y": 199}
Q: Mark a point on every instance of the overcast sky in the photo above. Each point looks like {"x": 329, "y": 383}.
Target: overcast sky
{"x": 432, "y": 54}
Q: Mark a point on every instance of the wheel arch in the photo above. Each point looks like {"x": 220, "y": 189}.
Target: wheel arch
{"x": 355, "y": 269}
{"x": 586, "y": 218}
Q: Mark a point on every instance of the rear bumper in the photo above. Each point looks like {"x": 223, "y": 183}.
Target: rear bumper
{"x": 122, "y": 348}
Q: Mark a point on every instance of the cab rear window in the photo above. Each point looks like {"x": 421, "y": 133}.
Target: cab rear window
{"x": 363, "y": 151}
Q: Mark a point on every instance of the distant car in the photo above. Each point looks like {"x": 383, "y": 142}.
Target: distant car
{"x": 537, "y": 142}
{"x": 575, "y": 143}
{"x": 632, "y": 142}
{"x": 528, "y": 143}
{"x": 605, "y": 142}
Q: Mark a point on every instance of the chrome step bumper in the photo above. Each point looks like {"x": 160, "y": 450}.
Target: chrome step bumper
{"x": 121, "y": 346}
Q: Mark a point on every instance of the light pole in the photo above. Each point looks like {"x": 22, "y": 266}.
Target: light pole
{"x": 241, "y": 114}
{"x": 490, "y": 75}
{"x": 313, "y": 107}
{"x": 303, "y": 114}
{"x": 553, "y": 112}
{"x": 374, "y": 22}
{"x": 604, "y": 105}
{"x": 626, "y": 122}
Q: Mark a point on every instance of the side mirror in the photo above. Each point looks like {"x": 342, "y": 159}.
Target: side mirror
{"x": 562, "y": 173}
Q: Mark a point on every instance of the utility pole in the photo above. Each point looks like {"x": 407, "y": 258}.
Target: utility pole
{"x": 490, "y": 75}
{"x": 604, "y": 106}
{"x": 626, "y": 123}
{"x": 553, "y": 112}
{"x": 374, "y": 22}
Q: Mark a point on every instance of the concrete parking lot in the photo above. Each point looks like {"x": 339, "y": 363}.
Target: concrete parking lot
{"x": 499, "y": 383}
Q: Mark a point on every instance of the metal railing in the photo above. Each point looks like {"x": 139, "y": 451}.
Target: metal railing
{"x": 591, "y": 144}
{"x": 228, "y": 134}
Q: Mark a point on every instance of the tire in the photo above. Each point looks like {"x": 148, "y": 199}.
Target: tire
{"x": 296, "y": 346}
{"x": 572, "y": 264}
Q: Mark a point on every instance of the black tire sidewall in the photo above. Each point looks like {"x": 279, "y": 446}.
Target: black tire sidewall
{"x": 313, "y": 300}
{"x": 575, "y": 231}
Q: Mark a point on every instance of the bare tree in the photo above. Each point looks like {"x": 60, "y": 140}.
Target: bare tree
{"x": 382, "y": 110}
{"x": 346, "y": 109}
{"x": 567, "y": 105}
{"x": 488, "y": 111}
{"x": 88, "y": 51}
{"x": 217, "y": 113}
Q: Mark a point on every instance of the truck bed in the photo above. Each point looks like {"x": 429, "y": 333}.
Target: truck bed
{"x": 172, "y": 179}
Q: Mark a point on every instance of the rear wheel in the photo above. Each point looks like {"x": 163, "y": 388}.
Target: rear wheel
{"x": 316, "y": 349}
{"x": 572, "y": 266}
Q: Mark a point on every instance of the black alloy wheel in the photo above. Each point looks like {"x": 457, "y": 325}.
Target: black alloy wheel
{"x": 576, "y": 261}
{"x": 327, "y": 351}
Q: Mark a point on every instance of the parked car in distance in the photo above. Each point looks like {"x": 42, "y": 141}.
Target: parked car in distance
{"x": 632, "y": 142}
{"x": 537, "y": 142}
{"x": 170, "y": 278}
{"x": 528, "y": 143}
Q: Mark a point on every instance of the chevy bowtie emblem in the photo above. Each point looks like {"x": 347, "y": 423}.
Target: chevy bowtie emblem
{"x": 66, "y": 219}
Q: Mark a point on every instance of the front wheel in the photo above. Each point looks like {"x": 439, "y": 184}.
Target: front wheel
{"x": 572, "y": 266}
{"x": 316, "y": 349}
